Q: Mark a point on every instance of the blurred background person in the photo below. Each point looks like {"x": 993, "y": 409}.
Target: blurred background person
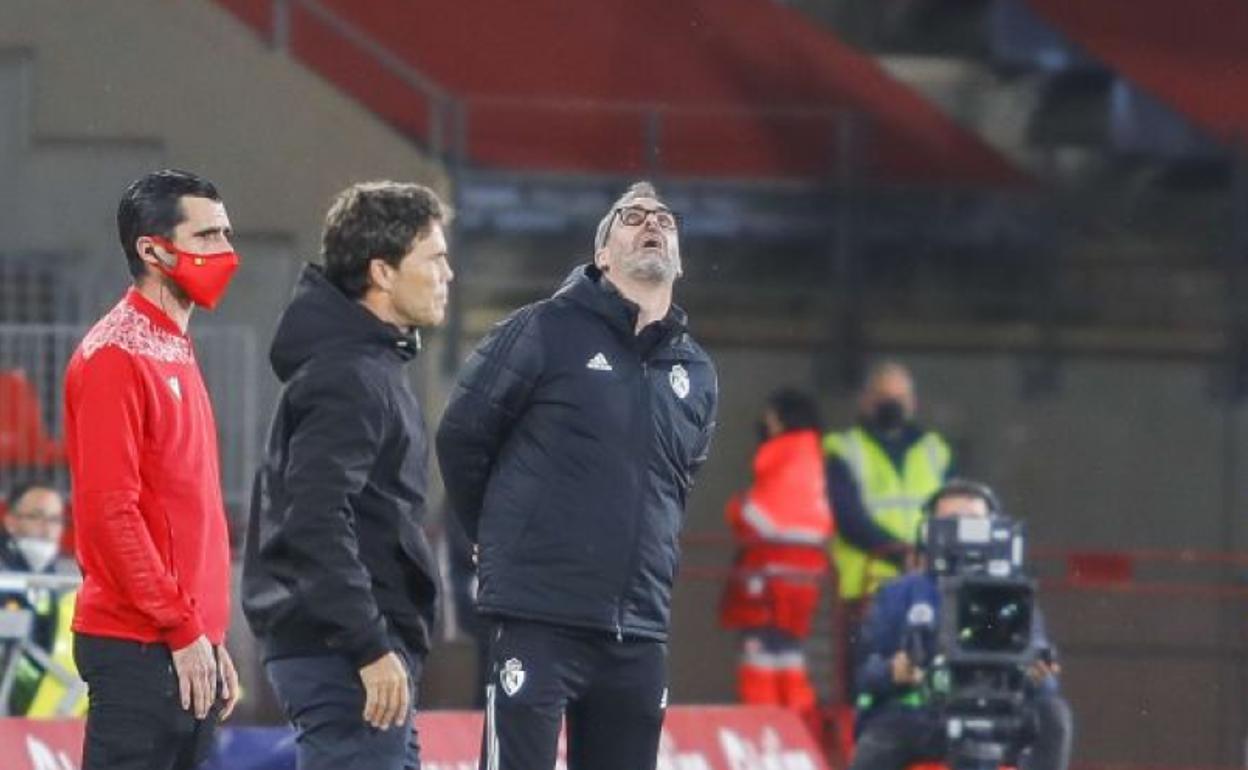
{"x": 781, "y": 524}
{"x": 880, "y": 472}
{"x": 896, "y": 723}
{"x": 33, "y": 526}
{"x": 46, "y": 682}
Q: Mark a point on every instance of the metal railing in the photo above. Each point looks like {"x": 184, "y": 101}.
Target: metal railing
{"x": 451, "y": 120}
{"x": 37, "y": 287}
{"x": 18, "y": 647}
{"x": 440, "y": 103}
{"x": 226, "y": 356}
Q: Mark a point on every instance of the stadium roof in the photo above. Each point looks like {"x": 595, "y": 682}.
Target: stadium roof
{"x": 731, "y": 88}
{"x": 1192, "y": 56}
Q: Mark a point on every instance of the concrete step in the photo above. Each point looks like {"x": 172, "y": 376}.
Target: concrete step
{"x": 995, "y": 108}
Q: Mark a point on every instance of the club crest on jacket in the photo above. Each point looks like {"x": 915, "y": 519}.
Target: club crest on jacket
{"x": 679, "y": 378}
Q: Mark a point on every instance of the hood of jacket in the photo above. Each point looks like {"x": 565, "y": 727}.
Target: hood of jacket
{"x": 586, "y": 286}
{"x": 321, "y": 318}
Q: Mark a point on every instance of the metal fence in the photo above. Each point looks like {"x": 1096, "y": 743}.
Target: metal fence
{"x": 33, "y": 359}
{"x": 35, "y": 287}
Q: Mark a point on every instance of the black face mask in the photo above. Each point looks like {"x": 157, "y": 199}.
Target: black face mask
{"x": 889, "y": 416}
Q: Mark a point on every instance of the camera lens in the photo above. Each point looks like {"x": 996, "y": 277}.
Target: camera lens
{"x": 994, "y": 618}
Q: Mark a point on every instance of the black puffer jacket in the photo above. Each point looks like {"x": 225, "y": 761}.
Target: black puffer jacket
{"x": 336, "y": 558}
{"x": 568, "y": 449}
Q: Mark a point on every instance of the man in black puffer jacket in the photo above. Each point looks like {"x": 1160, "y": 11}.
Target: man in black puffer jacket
{"x": 338, "y": 579}
{"x": 568, "y": 450}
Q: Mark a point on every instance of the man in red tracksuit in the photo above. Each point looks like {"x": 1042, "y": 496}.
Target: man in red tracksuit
{"x": 151, "y": 536}
{"x": 782, "y": 525}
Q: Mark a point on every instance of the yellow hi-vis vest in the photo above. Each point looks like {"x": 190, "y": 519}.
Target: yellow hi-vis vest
{"x": 893, "y": 500}
{"x": 60, "y": 693}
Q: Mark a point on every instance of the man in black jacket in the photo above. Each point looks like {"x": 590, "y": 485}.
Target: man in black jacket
{"x": 338, "y": 580}
{"x": 568, "y": 450}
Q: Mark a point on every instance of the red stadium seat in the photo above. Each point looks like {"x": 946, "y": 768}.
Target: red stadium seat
{"x": 727, "y": 102}
{"x": 23, "y": 440}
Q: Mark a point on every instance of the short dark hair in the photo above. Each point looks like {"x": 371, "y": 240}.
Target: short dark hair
{"x": 152, "y": 205}
{"x": 375, "y": 220}
{"x": 20, "y": 488}
{"x": 957, "y": 487}
{"x": 795, "y": 410}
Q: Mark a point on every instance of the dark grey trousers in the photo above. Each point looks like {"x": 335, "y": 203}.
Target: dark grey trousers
{"x": 324, "y": 700}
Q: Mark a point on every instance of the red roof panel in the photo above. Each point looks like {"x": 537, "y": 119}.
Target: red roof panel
{"x": 733, "y": 87}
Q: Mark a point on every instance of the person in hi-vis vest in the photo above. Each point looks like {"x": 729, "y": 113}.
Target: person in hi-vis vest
{"x": 880, "y": 471}
{"x": 45, "y": 681}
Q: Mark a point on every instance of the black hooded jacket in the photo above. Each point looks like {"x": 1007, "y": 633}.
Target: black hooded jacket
{"x": 568, "y": 449}
{"x": 336, "y": 559}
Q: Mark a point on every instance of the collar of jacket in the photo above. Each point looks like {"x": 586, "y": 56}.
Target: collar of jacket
{"x": 585, "y": 286}
{"x": 320, "y": 317}
{"x": 904, "y": 438}
{"x": 11, "y": 557}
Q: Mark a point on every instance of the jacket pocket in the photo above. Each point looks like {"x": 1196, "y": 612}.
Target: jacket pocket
{"x": 509, "y": 512}
{"x": 415, "y": 547}
{"x": 530, "y": 522}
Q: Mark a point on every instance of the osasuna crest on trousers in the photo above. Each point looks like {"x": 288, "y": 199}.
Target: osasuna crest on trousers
{"x": 511, "y": 676}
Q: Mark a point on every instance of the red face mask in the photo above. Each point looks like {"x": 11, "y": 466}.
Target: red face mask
{"x": 204, "y": 277}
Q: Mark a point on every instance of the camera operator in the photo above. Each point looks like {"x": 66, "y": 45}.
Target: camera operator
{"x": 896, "y": 723}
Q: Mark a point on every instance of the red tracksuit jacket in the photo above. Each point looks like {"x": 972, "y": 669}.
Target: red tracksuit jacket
{"x": 150, "y": 526}
{"x": 782, "y": 525}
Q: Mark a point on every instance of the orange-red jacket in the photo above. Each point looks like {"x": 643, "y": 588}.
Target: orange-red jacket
{"x": 782, "y": 525}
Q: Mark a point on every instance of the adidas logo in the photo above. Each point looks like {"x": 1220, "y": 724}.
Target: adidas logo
{"x": 599, "y": 363}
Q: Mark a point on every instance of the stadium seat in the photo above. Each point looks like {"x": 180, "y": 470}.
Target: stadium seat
{"x": 23, "y": 439}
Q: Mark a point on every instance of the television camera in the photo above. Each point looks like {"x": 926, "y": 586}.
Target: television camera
{"x": 978, "y": 647}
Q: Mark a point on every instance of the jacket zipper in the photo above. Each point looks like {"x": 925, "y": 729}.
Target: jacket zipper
{"x": 643, "y": 452}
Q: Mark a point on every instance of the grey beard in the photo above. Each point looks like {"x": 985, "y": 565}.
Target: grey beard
{"x": 655, "y": 269}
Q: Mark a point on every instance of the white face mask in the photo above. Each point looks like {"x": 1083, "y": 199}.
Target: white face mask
{"x": 38, "y": 552}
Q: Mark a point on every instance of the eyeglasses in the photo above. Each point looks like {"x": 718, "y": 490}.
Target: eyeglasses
{"x": 39, "y": 517}
{"x": 635, "y": 216}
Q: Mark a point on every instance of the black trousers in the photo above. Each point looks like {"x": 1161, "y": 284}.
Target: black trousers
{"x": 897, "y": 738}
{"x": 135, "y": 719}
{"x": 613, "y": 694}
{"x": 323, "y": 698}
